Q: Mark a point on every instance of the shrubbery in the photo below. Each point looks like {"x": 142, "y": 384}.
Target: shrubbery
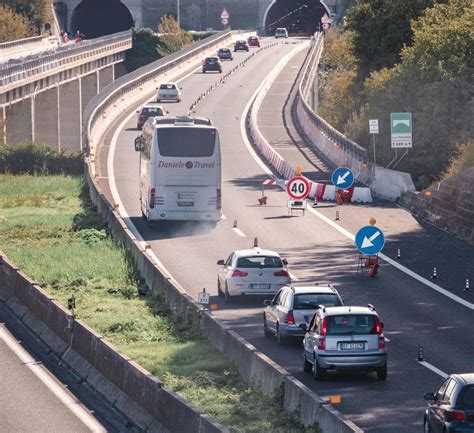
{"x": 38, "y": 159}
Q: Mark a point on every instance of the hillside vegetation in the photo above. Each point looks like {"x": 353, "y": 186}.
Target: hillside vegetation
{"x": 404, "y": 56}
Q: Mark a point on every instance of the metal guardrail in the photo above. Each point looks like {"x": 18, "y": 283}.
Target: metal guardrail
{"x": 354, "y": 149}
{"x": 130, "y": 82}
{"x": 62, "y": 56}
{"x": 20, "y": 42}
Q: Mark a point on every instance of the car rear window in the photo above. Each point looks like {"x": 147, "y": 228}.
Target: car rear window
{"x": 187, "y": 142}
{"x": 308, "y": 301}
{"x": 152, "y": 111}
{"x": 167, "y": 87}
{"x": 212, "y": 59}
{"x": 466, "y": 398}
{"x": 357, "y": 324}
{"x": 259, "y": 262}
{"x": 224, "y": 50}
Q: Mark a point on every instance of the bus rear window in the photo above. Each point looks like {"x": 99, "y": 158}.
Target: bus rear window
{"x": 186, "y": 142}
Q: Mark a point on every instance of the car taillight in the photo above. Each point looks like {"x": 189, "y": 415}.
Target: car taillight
{"x": 282, "y": 273}
{"x": 381, "y": 342}
{"x": 152, "y": 197}
{"x": 238, "y": 273}
{"x": 219, "y": 198}
{"x": 324, "y": 327}
{"x": 289, "y": 318}
{"x": 378, "y": 326}
{"x": 322, "y": 343}
{"x": 455, "y": 415}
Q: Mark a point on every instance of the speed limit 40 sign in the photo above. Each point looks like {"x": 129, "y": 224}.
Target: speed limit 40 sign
{"x": 298, "y": 187}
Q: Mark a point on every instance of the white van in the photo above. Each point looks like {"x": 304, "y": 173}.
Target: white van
{"x": 180, "y": 169}
{"x": 281, "y": 32}
{"x": 168, "y": 92}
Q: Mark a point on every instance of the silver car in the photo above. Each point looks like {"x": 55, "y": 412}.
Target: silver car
{"x": 290, "y": 311}
{"x": 251, "y": 272}
{"x": 345, "y": 338}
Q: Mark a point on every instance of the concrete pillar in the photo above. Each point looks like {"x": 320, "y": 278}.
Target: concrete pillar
{"x": 88, "y": 88}
{"x": 18, "y": 124}
{"x": 119, "y": 70}
{"x": 69, "y": 117}
{"x": 106, "y": 76}
{"x": 4, "y": 126}
{"x": 46, "y": 112}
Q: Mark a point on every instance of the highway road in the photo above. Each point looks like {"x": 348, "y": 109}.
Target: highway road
{"x": 38, "y": 394}
{"x": 317, "y": 248}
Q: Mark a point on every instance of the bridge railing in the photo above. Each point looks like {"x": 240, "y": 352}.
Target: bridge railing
{"x": 129, "y": 83}
{"x": 346, "y": 144}
{"x": 63, "y": 56}
{"x": 19, "y": 43}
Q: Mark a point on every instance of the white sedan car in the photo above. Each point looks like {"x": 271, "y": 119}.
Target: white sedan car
{"x": 251, "y": 272}
{"x": 168, "y": 92}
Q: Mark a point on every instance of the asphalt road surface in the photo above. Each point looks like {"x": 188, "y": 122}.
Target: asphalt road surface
{"x": 317, "y": 250}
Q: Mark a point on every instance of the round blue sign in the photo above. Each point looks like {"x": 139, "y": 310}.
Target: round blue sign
{"x": 342, "y": 177}
{"x": 370, "y": 240}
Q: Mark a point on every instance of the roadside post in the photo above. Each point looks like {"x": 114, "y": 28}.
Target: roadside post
{"x": 369, "y": 241}
{"x": 204, "y": 299}
{"x": 374, "y": 129}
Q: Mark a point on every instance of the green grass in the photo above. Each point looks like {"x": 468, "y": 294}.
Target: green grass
{"x": 50, "y": 230}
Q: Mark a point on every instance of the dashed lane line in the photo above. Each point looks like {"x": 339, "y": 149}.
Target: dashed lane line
{"x": 434, "y": 369}
{"x": 239, "y": 232}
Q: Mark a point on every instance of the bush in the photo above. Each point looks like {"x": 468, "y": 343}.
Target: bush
{"x": 143, "y": 51}
{"x": 38, "y": 159}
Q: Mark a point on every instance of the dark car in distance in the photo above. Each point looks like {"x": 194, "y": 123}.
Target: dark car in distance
{"x": 225, "y": 54}
{"x": 241, "y": 46}
{"x": 211, "y": 64}
{"x": 451, "y": 407}
{"x": 147, "y": 111}
{"x": 253, "y": 41}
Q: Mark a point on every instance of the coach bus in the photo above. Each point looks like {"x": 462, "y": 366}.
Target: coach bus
{"x": 180, "y": 169}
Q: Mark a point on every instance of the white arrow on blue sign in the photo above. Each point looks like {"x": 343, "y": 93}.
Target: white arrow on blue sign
{"x": 370, "y": 240}
{"x": 342, "y": 178}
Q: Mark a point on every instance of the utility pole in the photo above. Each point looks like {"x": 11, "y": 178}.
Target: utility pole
{"x": 178, "y": 14}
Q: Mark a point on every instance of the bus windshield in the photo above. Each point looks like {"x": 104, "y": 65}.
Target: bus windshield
{"x": 186, "y": 142}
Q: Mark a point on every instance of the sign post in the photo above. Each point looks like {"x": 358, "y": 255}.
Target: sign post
{"x": 374, "y": 129}
{"x": 204, "y": 298}
{"x": 401, "y": 130}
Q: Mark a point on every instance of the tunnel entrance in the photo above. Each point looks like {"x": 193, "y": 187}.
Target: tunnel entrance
{"x": 97, "y": 18}
{"x": 300, "y": 17}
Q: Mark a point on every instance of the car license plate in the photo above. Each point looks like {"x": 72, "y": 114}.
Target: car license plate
{"x": 260, "y": 286}
{"x": 352, "y": 346}
{"x": 186, "y": 203}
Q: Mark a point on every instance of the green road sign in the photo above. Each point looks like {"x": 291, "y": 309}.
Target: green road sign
{"x": 401, "y": 129}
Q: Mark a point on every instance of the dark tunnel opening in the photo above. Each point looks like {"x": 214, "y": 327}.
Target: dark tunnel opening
{"x": 96, "y": 18}
{"x": 300, "y": 17}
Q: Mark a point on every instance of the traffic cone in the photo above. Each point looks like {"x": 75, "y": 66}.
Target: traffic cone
{"x": 435, "y": 273}
{"x": 373, "y": 270}
{"x": 398, "y": 254}
{"x": 315, "y": 202}
{"x": 235, "y": 224}
{"x": 255, "y": 242}
{"x": 337, "y": 215}
{"x": 466, "y": 287}
{"x": 421, "y": 356}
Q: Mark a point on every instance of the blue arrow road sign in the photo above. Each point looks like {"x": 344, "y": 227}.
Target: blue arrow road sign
{"x": 370, "y": 240}
{"x": 342, "y": 178}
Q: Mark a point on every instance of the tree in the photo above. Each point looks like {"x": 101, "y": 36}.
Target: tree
{"x": 380, "y": 29}
{"x": 12, "y": 25}
{"x": 172, "y": 37}
{"x": 143, "y": 49}
{"x": 33, "y": 10}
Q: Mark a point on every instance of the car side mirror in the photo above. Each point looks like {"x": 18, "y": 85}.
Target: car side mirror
{"x": 268, "y": 302}
{"x": 429, "y": 396}
{"x": 220, "y": 262}
{"x": 139, "y": 144}
{"x": 285, "y": 262}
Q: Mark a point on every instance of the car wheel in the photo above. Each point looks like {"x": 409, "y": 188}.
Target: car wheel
{"x": 280, "y": 338}
{"x": 307, "y": 366}
{"x": 226, "y": 295}
{"x": 382, "y": 372}
{"x": 318, "y": 371}
{"x": 426, "y": 426}
{"x": 266, "y": 331}
{"x": 179, "y": 100}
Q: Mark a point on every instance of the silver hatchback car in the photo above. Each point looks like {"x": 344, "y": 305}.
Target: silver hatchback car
{"x": 345, "y": 338}
{"x": 288, "y": 314}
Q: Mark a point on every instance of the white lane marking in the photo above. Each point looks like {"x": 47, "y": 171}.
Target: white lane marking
{"x": 387, "y": 340}
{"x": 56, "y": 388}
{"x": 434, "y": 369}
{"x": 293, "y": 277}
{"x": 223, "y": 217}
{"x": 239, "y": 232}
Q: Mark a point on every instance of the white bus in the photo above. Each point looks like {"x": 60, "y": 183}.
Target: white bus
{"x": 180, "y": 169}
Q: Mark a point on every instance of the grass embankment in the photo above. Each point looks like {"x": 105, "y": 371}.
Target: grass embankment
{"x": 50, "y": 230}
